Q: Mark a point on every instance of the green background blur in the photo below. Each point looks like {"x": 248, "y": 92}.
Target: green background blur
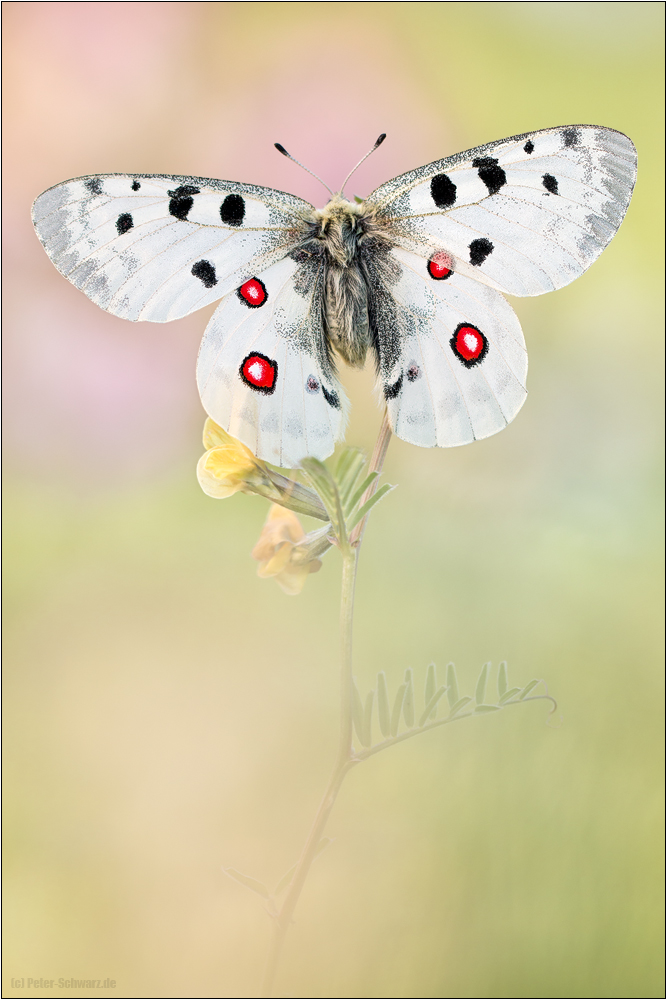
{"x": 167, "y": 712}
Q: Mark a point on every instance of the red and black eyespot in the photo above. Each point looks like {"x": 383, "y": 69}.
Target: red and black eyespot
{"x": 253, "y": 293}
{"x": 259, "y": 372}
{"x": 469, "y": 345}
{"x": 439, "y": 266}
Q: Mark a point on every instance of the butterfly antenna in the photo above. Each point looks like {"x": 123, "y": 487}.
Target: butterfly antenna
{"x": 281, "y": 149}
{"x": 378, "y": 142}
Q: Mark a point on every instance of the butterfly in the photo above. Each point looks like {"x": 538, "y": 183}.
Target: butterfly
{"x": 414, "y": 275}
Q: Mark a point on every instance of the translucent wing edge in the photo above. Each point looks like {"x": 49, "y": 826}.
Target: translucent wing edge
{"x": 392, "y": 189}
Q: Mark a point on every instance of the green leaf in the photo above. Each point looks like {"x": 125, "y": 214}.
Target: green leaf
{"x": 452, "y": 685}
{"x": 481, "y": 684}
{"x": 502, "y": 679}
{"x": 347, "y": 480}
{"x": 508, "y": 696}
{"x": 359, "y": 492}
{"x": 429, "y": 687}
{"x": 324, "y": 483}
{"x": 409, "y": 700}
{"x": 431, "y": 705}
{"x": 368, "y": 716}
{"x": 528, "y": 688}
{"x": 357, "y": 713}
{"x": 361, "y": 513}
{"x": 487, "y": 708}
{"x": 343, "y": 463}
{"x": 396, "y": 711}
{"x": 249, "y": 883}
{"x": 383, "y": 705}
{"x": 458, "y": 706}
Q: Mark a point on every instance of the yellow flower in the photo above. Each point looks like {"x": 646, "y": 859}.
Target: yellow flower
{"x": 279, "y": 553}
{"x": 228, "y": 466}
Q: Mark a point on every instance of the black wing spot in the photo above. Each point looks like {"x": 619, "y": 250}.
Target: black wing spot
{"x": 205, "y": 271}
{"x": 331, "y": 398}
{"x": 135, "y": 185}
{"x": 413, "y": 373}
{"x": 479, "y": 251}
{"x": 94, "y": 185}
{"x": 529, "y": 147}
{"x": 312, "y": 385}
{"x": 490, "y": 172}
{"x": 550, "y": 183}
{"x": 571, "y": 136}
{"x": 392, "y": 391}
{"x": 443, "y": 191}
{"x": 124, "y": 223}
{"x": 232, "y": 210}
{"x": 181, "y": 200}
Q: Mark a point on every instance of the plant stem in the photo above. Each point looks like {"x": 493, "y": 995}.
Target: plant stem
{"x": 346, "y": 758}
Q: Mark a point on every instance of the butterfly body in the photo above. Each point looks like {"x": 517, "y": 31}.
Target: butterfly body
{"x": 413, "y": 275}
{"x": 344, "y": 237}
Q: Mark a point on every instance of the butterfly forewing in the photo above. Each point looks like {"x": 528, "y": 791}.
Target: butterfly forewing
{"x": 158, "y": 247}
{"x": 525, "y": 215}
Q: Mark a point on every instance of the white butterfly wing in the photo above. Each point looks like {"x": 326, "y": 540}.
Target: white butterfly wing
{"x": 452, "y": 358}
{"x": 525, "y": 215}
{"x": 264, "y": 370}
{"x": 158, "y": 247}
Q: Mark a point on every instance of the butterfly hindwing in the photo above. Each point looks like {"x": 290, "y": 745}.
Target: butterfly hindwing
{"x": 158, "y": 247}
{"x": 525, "y": 215}
{"x": 264, "y": 371}
{"x": 451, "y": 354}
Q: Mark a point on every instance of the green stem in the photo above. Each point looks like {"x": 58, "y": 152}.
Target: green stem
{"x": 344, "y": 762}
{"x": 346, "y": 759}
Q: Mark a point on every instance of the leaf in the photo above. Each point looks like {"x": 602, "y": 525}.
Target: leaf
{"x": 350, "y": 475}
{"x": 326, "y": 487}
{"x": 481, "y": 684}
{"x": 508, "y": 695}
{"x": 487, "y": 708}
{"x": 409, "y": 700}
{"x": 343, "y": 463}
{"x": 249, "y": 883}
{"x": 458, "y": 706}
{"x": 359, "y": 492}
{"x": 431, "y": 705}
{"x": 383, "y": 705}
{"x": 368, "y": 716}
{"x": 429, "y": 687}
{"x": 452, "y": 686}
{"x": 502, "y": 679}
{"x": 396, "y": 711}
{"x": 357, "y": 713}
{"x": 289, "y": 875}
{"x": 361, "y": 513}
{"x": 528, "y": 688}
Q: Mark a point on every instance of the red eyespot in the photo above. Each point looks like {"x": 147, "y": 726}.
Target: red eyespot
{"x": 252, "y": 293}
{"x": 440, "y": 266}
{"x": 469, "y": 344}
{"x": 260, "y": 373}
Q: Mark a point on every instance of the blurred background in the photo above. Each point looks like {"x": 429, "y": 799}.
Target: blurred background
{"x": 167, "y": 712}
